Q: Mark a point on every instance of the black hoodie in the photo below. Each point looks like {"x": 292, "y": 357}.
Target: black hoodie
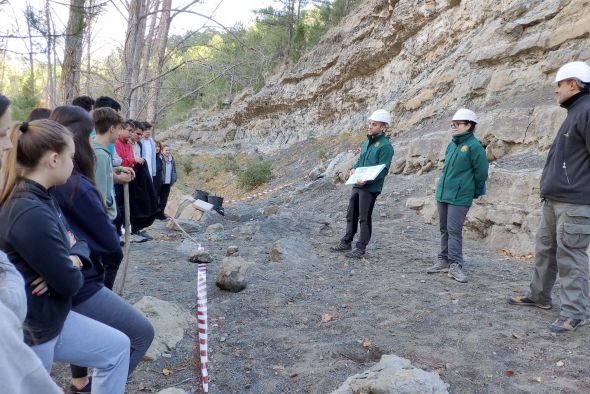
{"x": 34, "y": 236}
{"x": 566, "y": 175}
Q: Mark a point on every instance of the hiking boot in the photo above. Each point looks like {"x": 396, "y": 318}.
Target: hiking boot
{"x": 524, "y": 301}
{"x": 456, "y": 273}
{"x": 440, "y": 266}
{"x": 84, "y": 390}
{"x": 356, "y": 253}
{"x": 341, "y": 247}
{"x": 566, "y": 324}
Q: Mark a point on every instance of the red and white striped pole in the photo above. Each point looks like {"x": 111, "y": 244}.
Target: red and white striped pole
{"x": 202, "y": 325}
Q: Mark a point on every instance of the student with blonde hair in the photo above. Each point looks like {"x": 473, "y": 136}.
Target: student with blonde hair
{"x": 37, "y": 240}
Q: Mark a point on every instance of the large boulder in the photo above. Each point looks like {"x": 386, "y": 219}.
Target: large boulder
{"x": 169, "y": 321}
{"x": 393, "y": 375}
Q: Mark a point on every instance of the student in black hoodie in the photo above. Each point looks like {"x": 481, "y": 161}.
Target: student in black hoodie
{"x": 82, "y": 205}
{"x": 37, "y": 240}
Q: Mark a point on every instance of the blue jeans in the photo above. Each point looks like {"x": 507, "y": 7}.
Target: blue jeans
{"x": 107, "y": 307}
{"x": 85, "y": 341}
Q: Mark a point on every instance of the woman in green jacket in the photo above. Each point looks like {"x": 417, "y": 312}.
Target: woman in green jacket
{"x": 461, "y": 180}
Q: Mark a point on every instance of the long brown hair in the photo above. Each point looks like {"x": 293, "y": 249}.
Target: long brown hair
{"x": 78, "y": 121}
{"x": 38, "y": 138}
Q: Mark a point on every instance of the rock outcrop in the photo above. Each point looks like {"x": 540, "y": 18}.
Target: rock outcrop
{"x": 421, "y": 60}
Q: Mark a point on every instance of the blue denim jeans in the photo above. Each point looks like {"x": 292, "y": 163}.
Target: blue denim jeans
{"x": 84, "y": 341}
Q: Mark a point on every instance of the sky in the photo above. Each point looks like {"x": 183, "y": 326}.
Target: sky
{"x": 109, "y": 29}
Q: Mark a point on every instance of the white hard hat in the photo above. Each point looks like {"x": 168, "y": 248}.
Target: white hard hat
{"x": 381, "y": 115}
{"x": 578, "y": 70}
{"x": 465, "y": 114}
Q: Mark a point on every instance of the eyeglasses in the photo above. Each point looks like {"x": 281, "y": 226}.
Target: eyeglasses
{"x": 454, "y": 125}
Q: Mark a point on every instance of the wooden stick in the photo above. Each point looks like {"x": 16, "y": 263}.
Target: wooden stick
{"x": 121, "y": 284}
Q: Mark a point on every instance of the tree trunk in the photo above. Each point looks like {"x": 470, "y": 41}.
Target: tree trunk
{"x": 160, "y": 44}
{"x": 132, "y": 55}
{"x": 147, "y": 62}
{"x": 31, "y": 60}
{"x": 70, "y": 72}
{"x": 51, "y": 93}
{"x": 346, "y": 7}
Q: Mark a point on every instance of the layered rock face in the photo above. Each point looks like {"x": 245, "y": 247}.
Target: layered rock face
{"x": 421, "y": 60}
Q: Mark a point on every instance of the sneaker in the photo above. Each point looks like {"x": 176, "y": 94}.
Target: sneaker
{"x": 524, "y": 301}
{"x": 565, "y": 324}
{"x": 356, "y": 253}
{"x": 341, "y": 247}
{"x": 84, "y": 390}
{"x": 456, "y": 273}
{"x": 441, "y": 265}
{"x": 137, "y": 238}
{"x": 145, "y": 235}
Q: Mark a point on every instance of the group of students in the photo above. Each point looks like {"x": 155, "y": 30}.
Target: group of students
{"x": 60, "y": 248}
{"x": 563, "y": 236}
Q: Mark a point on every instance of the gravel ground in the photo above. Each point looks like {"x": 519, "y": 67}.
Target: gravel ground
{"x": 271, "y": 338}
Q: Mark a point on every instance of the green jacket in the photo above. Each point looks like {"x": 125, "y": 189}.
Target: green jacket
{"x": 465, "y": 172}
{"x": 374, "y": 151}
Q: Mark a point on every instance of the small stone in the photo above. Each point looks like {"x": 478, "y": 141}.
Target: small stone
{"x": 166, "y": 355}
{"x": 270, "y": 210}
{"x": 200, "y": 256}
{"x": 222, "y": 339}
{"x": 560, "y": 363}
{"x": 214, "y": 228}
{"x": 232, "y": 251}
{"x": 455, "y": 302}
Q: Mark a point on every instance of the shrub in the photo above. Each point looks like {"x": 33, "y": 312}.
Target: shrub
{"x": 229, "y": 163}
{"x": 187, "y": 164}
{"x": 255, "y": 174}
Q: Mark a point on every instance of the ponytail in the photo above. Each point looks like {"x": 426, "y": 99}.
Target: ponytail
{"x": 30, "y": 141}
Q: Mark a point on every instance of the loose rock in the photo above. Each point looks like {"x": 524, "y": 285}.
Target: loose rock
{"x": 214, "y": 228}
{"x": 200, "y": 256}
{"x": 169, "y": 321}
{"x": 393, "y": 375}
{"x": 231, "y": 275}
{"x": 232, "y": 251}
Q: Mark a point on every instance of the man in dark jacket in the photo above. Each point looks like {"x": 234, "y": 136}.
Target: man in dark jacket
{"x": 375, "y": 150}
{"x": 564, "y": 232}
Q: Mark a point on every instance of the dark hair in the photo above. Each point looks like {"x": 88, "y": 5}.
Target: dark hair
{"x": 471, "y": 125}
{"x": 38, "y": 113}
{"x": 78, "y": 121}
{"x": 104, "y": 119}
{"x": 85, "y": 102}
{"x": 30, "y": 145}
{"x": 104, "y": 101}
{"x": 4, "y": 104}
{"x": 147, "y": 125}
{"x": 159, "y": 144}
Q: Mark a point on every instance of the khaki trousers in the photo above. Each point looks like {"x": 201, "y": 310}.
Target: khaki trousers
{"x": 562, "y": 248}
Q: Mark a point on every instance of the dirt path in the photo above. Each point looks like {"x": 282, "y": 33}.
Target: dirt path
{"x": 270, "y": 338}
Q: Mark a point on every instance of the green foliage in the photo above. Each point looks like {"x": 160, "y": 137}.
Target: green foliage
{"x": 26, "y": 100}
{"x": 229, "y": 163}
{"x": 223, "y": 63}
{"x": 256, "y": 173}
{"x": 186, "y": 164}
